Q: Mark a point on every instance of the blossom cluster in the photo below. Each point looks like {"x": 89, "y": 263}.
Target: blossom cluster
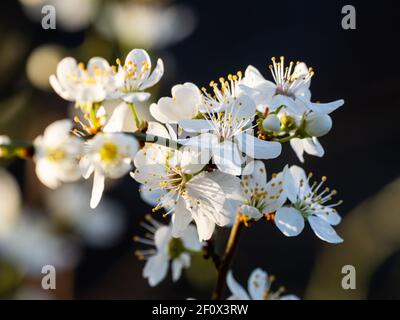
{"x": 209, "y": 171}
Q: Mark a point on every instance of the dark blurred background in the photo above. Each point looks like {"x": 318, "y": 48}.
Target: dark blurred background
{"x": 201, "y": 41}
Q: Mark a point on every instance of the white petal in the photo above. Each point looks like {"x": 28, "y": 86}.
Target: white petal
{"x": 162, "y": 237}
{"x": 116, "y": 121}
{"x": 190, "y": 239}
{"x": 156, "y": 269}
{"x": 289, "y": 221}
{"x": 150, "y": 197}
{"x": 227, "y": 158}
{"x": 258, "y": 284}
{"x": 155, "y": 76}
{"x": 297, "y": 146}
{"x": 257, "y": 148}
{"x": 205, "y": 226}
{"x": 198, "y": 125}
{"x": 276, "y": 192}
{"x": 324, "y": 230}
{"x": 56, "y": 132}
{"x": 236, "y": 289}
{"x": 139, "y": 57}
{"x": 86, "y": 167}
{"x": 181, "y": 218}
{"x": 55, "y": 84}
{"x": 98, "y": 188}
{"x": 295, "y": 177}
{"x": 134, "y": 97}
{"x": 289, "y": 103}
{"x": 250, "y": 211}
{"x": 177, "y": 266}
{"x": 47, "y": 174}
{"x": 313, "y": 147}
{"x": 325, "y": 107}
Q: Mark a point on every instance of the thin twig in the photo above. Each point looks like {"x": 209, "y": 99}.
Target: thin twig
{"x": 227, "y": 258}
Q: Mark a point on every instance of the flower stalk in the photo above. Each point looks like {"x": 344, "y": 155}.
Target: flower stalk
{"x": 226, "y": 261}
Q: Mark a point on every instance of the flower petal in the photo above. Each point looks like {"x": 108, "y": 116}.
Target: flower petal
{"x": 156, "y": 269}
{"x": 98, "y": 188}
{"x": 324, "y": 230}
{"x": 257, "y": 148}
{"x": 325, "y": 108}
{"x": 289, "y": 221}
{"x": 134, "y": 97}
{"x": 155, "y": 76}
{"x": 197, "y": 125}
{"x": 237, "y": 290}
{"x": 258, "y": 284}
{"x": 181, "y": 218}
{"x": 297, "y": 146}
{"x": 227, "y": 158}
{"x": 250, "y": 211}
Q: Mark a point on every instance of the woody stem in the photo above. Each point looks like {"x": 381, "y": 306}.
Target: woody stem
{"x": 227, "y": 258}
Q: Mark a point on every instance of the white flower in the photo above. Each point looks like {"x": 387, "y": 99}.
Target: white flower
{"x": 134, "y": 76}
{"x": 107, "y": 155}
{"x": 57, "y": 154}
{"x": 184, "y": 104}
{"x": 259, "y": 288}
{"x": 100, "y": 227}
{"x": 208, "y": 198}
{"x": 307, "y": 145}
{"x": 309, "y": 205}
{"x": 74, "y": 82}
{"x": 226, "y": 130}
{"x": 262, "y": 197}
{"x": 167, "y": 249}
{"x": 291, "y": 89}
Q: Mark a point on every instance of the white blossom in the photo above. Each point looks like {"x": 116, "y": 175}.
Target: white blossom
{"x": 84, "y": 86}
{"x": 57, "y": 154}
{"x": 258, "y": 288}
{"x": 135, "y": 76}
{"x": 167, "y": 249}
{"x": 308, "y": 203}
{"x": 262, "y": 197}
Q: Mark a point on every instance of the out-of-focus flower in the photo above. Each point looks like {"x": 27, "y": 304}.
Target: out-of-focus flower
{"x": 205, "y": 197}
{"x": 262, "y": 197}
{"x": 72, "y": 15}
{"x": 57, "y": 154}
{"x": 32, "y": 245}
{"x": 308, "y": 205}
{"x": 167, "y": 248}
{"x": 74, "y": 82}
{"x": 291, "y": 89}
{"x": 146, "y": 24}
{"x": 41, "y": 64}
{"x": 135, "y": 76}
{"x": 69, "y": 206}
{"x": 184, "y": 104}
{"x": 10, "y": 202}
{"x": 4, "y": 140}
{"x": 259, "y": 288}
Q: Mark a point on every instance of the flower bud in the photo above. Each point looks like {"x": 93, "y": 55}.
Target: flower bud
{"x": 318, "y": 124}
{"x": 272, "y": 123}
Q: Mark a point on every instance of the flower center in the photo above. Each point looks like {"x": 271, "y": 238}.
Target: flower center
{"x": 55, "y": 154}
{"x": 108, "y": 152}
{"x": 289, "y": 79}
{"x": 175, "y": 248}
{"x": 311, "y": 199}
{"x": 133, "y": 74}
{"x": 174, "y": 180}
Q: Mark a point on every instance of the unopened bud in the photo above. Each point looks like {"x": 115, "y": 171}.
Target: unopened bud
{"x": 318, "y": 124}
{"x": 272, "y": 123}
